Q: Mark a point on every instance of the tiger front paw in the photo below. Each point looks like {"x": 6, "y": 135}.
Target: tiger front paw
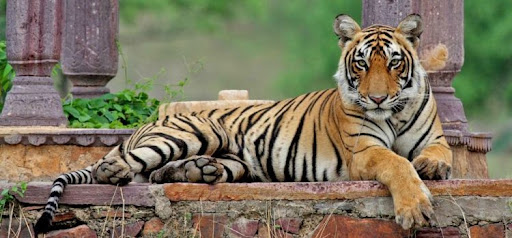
{"x": 113, "y": 170}
{"x": 432, "y": 169}
{"x": 413, "y": 207}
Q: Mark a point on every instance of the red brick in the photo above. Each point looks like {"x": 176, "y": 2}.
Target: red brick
{"x": 432, "y": 232}
{"x": 67, "y": 216}
{"x": 291, "y": 225}
{"x": 153, "y": 226}
{"x": 243, "y": 228}
{"x": 327, "y": 190}
{"x": 81, "y": 231}
{"x": 342, "y": 226}
{"x": 130, "y": 230}
{"x": 210, "y": 225}
{"x": 492, "y": 230}
{"x": 263, "y": 232}
{"x": 24, "y": 232}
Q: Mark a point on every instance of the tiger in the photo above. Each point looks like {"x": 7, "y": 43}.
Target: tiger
{"x": 379, "y": 123}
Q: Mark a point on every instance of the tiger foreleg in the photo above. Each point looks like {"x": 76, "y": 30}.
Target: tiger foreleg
{"x": 201, "y": 169}
{"x": 411, "y": 198}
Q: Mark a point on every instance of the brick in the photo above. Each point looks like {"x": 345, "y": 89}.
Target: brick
{"x": 290, "y": 225}
{"x": 82, "y": 231}
{"x": 432, "y": 232}
{"x": 24, "y": 232}
{"x": 210, "y": 225}
{"x": 153, "y": 226}
{"x": 325, "y": 191}
{"x": 67, "y": 216}
{"x": 491, "y": 230}
{"x": 130, "y": 230}
{"x": 243, "y": 228}
{"x": 263, "y": 232}
{"x": 343, "y": 226}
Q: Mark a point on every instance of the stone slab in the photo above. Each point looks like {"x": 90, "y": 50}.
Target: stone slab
{"x": 326, "y": 190}
{"x": 90, "y": 194}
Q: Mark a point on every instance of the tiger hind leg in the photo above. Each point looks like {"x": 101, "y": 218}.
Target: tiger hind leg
{"x": 202, "y": 169}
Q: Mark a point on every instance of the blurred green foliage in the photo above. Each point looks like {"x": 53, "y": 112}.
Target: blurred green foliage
{"x": 311, "y": 53}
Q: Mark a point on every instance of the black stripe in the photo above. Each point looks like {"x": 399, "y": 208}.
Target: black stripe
{"x": 199, "y": 135}
{"x": 370, "y": 135}
{"x": 229, "y": 173}
{"x": 139, "y": 160}
{"x": 275, "y": 133}
{"x": 339, "y": 160}
{"x": 304, "y": 170}
{"x": 227, "y": 113}
{"x": 313, "y": 157}
{"x": 420, "y": 140}
{"x": 292, "y": 151}
{"x": 417, "y": 115}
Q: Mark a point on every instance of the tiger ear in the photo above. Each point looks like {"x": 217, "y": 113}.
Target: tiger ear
{"x": 345, "y": 28}
{"x": 411, "y": 27}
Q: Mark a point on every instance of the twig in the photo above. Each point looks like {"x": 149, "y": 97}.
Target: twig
{"x": 11, "y": 211}
{"x": 26, "y": 222}
{"x": 462, "y": 212}
{"x": 108, "y": 210}
{"x": 122, "y": 219}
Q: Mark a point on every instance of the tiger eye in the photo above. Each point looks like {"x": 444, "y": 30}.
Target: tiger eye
{"x": 361, "y": 63}
{"x": 394, "y": 62}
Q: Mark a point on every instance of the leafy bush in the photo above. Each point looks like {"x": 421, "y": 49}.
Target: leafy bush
{"x": 6, "y": 75}
{"x": 8, "y": 195}
{"x": 126, "y": 109}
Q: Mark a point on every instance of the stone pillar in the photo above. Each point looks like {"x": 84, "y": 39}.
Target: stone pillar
{"x": 33, "y": 48}
{"x": 89, "y": 51}
{"x": 443, "y": 22}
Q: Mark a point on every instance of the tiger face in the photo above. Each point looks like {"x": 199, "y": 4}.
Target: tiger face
{"x": 379, "y": 69}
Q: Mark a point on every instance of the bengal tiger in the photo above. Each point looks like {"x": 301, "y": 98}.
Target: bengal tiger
{"x": 380, "y": 123}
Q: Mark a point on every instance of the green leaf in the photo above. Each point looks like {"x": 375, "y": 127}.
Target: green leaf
{"x": 69, "y": 109}
{"x": 84, "y": 118}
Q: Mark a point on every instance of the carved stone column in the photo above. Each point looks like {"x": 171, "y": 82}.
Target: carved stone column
{"x": 89, "y": 51}
{"x": 443, "y": 22}
{"x": 33, "y": 48}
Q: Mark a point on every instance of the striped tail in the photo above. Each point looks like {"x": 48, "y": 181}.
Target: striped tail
{"x": 83, "y": 176}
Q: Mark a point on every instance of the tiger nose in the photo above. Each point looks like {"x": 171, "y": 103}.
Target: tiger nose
{"x": 377, "y": 99}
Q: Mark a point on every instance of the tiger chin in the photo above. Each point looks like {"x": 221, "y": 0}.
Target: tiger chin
{"x": 380, "y": 123}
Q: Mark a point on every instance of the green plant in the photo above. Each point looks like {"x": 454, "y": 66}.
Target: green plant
{"x": 126, "y": 109}
{"x": 6, "y": 75}
{"x": 8, "y": 195}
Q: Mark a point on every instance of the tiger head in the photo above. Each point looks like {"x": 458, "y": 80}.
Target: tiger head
{"x": 379, "y": 70}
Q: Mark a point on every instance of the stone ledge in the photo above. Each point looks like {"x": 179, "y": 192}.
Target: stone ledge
{"x": 142, "y": 194}
{"x": 46, "y": 135}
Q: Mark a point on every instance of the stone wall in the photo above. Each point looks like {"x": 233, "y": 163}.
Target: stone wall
{"x": 480, "y": 208}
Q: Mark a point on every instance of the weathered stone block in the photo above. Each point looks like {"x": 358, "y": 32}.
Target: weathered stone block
{"x": 343, "y": 226}
{"x": 291, "y": 225}
{"x": 82, "y": 231}
{"x": 243, "y": 228}
{"x": 152, "y": 227}
{"x": 435, "y": 232}
{"x": 129, "y": 230}
{"x": 211, "y": 225}
{"x": 491, "y": 230}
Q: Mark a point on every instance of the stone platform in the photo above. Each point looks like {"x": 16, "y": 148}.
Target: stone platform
{"x": 481, "y": 208}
